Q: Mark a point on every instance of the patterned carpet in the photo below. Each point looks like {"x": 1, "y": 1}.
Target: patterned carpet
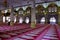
{"x": 41, "y": 32}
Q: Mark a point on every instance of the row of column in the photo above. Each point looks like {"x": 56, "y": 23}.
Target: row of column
{"x": 33, "y": 16}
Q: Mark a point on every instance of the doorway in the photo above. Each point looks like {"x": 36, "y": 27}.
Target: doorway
{"x": 52, "y": 20}
{"x": 42, "y": 21}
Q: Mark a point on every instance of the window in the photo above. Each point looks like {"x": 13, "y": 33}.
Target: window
{"x": 52, "y": 20}
{"x": 3, "y": 18}
{"x": 49, "y": 9}
{"x": 14, "y": 19}
{"x": 42, "y": 20}
{"x": 55, "y": 9}
{"x": 27, "y": 20}
{"x": 21, "y": 20}
{"x": 5, "y": 11}
{"x": 28, "y": 11}
{"x": 20, "y": 12}
{"x": 8, "y": 19}
{"x": 52, "y": 9}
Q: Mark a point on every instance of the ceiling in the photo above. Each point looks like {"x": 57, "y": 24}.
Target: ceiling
{"x": 16, "y": 3}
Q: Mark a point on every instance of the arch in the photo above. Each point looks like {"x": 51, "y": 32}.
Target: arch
{"x": 40, "y": 12}
{"x": 20, "y": 11}
{"x": 52, "y": 12}
{"x": 52, "y": 5}
{"x": 40, "y": 7}
{"x": 28, "y": 13}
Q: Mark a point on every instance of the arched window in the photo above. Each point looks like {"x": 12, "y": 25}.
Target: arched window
{"x": 52, "y": 7}
{"x": 20, "y": 11}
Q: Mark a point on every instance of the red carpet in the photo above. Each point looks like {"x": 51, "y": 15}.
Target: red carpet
{"x": 24, "y": 32}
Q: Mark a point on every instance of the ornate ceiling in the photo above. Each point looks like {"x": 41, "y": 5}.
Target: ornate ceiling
{"x": 16, "y": 3}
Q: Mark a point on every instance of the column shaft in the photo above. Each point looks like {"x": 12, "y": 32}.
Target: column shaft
{"x": 1, "y": 18}
{"x": 12, "y": 16}
{"x": 33, "y": 17}
{"x": 59, "y": 19}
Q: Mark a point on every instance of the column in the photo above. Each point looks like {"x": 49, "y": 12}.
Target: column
{"x": 59, "y": 19}
{"x": 33, "y": 17}
{"x": 17, "y": 18}
{"x": 1, "y": 18}
{"x": 45, "y": 14}
{"x": 58, "y": 15}
{"x": 12, "y": 17}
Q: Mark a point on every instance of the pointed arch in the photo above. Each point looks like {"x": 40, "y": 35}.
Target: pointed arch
{"x": 28, "y": 11}
{"x": 39, "y": 7}
{"x": 28, "y": 8}
{"x": 52, "y": 5}
{"x": 20, "y": 9}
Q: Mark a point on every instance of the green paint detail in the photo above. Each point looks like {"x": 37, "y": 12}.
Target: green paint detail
{"x": 33, "y": 25}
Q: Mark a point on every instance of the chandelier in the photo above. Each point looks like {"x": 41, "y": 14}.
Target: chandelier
{"x": 5, "y": 3}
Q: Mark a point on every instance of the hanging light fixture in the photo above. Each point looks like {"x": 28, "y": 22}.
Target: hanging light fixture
{"x": 5, "y": 3}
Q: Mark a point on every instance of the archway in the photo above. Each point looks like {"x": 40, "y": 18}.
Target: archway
{"x": 50, "y": 16}
{"x": 52, "y": 12}
{"x": 28, "y": 15}
{"x": 20, "y": 15}
{"x": 6, "y": 16}
{"x": 39, "y": 13}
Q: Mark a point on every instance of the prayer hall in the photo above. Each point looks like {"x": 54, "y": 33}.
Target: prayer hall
{"x": 29, "y": 19}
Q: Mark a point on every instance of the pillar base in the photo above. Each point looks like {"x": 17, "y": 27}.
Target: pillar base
{"x": 33, "y": 24}
{"x": 11, "y": 23}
